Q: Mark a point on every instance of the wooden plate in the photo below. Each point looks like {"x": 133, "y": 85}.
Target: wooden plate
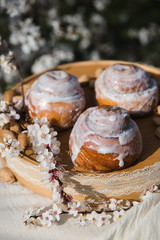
{"x": 128, "y": 183}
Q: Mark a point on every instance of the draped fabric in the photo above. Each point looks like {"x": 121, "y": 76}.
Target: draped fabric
{"x": 140, "y": 222}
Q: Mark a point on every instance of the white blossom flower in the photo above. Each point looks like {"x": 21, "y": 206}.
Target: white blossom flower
{"x": 100, "y": 4}
{"x": 128, "y": 204}
{"x": 7, "y": 140}
{"x": 55, "y": 144}
{"x": 92, "y": 217}
{"x": 31, "y": 212}
{"x": 52, "y": 165}
{"x": 37, "y": 208}
{"x": 102, "y": 206}
{"x": 143, "y": 35}
{"x": 17, "y": 7}
{"x": 32, "y": 129}
{"x": 7, "y": 64}
{"x": 94, "y": 55}
{"x": 60, "y": 53}
{"x": 53, "y": 133}
{"x": 56, "y": 195}
{"x": 98, "y": 219}
{"x": 3, "y": 106}
{"x": 114, "y": 203}
{"x": 117, "y": 215}
{"x": 42, "y": 137}
{"x": 15, "y": 148}
{"x": 46, "y": 163}
{"x": 47, "y": 219}
{"x": 56, "y": 211}
{"x": 44, "y": 156}
{"x": 41, "y": 121}
{"x": 154, "y": 189}
{"x": 44, "y": 62}
{"x": 13, "y": 114}
{"x": 103, "y": 218}
{"x": 39, "y": 135}
{"x": 46, "y": 175}
{"x": 27, "y": 35}
{"x": 18, "y": 101}
{"x": 97, "y": 19}
{"x": 27, "y": 214}
{"x": 37, "y": 149}
{"x": 74, "y": 208}
{"x": 3, "y": 119}
{"x": 74, "y": 30}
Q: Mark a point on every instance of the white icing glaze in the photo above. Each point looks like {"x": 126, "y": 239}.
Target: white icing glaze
{"x": 113, "y": 83}
{"x": 121, "y": 77}
{"x": 98, "y": 138}
{"x": 52, "y": 87}
{"x": 112, "y": 118}
{"x": 59, "y": 84}
{"x": 98, "y": 120}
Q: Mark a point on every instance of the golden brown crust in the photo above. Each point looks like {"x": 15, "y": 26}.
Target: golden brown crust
{"x": 104, "y": 138}
{"x": 62, "y": 114}
{"x": 90, "y": 159}
{"x": 108, "y": 101}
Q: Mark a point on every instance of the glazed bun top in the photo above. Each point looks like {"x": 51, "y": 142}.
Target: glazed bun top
{"x": 57, "y": 96}
{"x": 53, "y": 87}
{"x": 97, "y": 125}
{"x": 123, "y": 78}
{"x": 58, "y": 84}
{"x": 101, "y": 120}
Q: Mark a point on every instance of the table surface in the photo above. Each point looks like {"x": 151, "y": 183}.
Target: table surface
{"x": 140, "y": 222}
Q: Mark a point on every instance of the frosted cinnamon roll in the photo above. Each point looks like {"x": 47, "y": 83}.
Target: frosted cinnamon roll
{"x": 104, "y": 138}
{"x": 58, "y": 96}
{"x": 129, "y": 87}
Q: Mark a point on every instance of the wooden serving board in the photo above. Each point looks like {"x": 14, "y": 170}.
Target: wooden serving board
{"x": 128, "y": 183}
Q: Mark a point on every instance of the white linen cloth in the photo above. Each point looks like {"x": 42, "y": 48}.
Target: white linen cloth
{"x": 140, "y": 222}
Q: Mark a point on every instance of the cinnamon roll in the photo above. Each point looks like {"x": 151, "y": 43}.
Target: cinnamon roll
{"x": 57, "y": 96}
{"x": 104, "y": 138}
{"x": 129, "y": 87}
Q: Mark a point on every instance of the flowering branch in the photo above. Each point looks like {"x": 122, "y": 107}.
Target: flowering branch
{"x": 9, "y": 64}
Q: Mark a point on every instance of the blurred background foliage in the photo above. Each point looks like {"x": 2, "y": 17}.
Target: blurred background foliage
{"x": 45, "y": 33}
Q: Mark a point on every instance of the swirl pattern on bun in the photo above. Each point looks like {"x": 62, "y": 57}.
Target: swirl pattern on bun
{"x": 129, "y": 87}
{"x": 104, "y": 138}
{"x": 58, "y": 96}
